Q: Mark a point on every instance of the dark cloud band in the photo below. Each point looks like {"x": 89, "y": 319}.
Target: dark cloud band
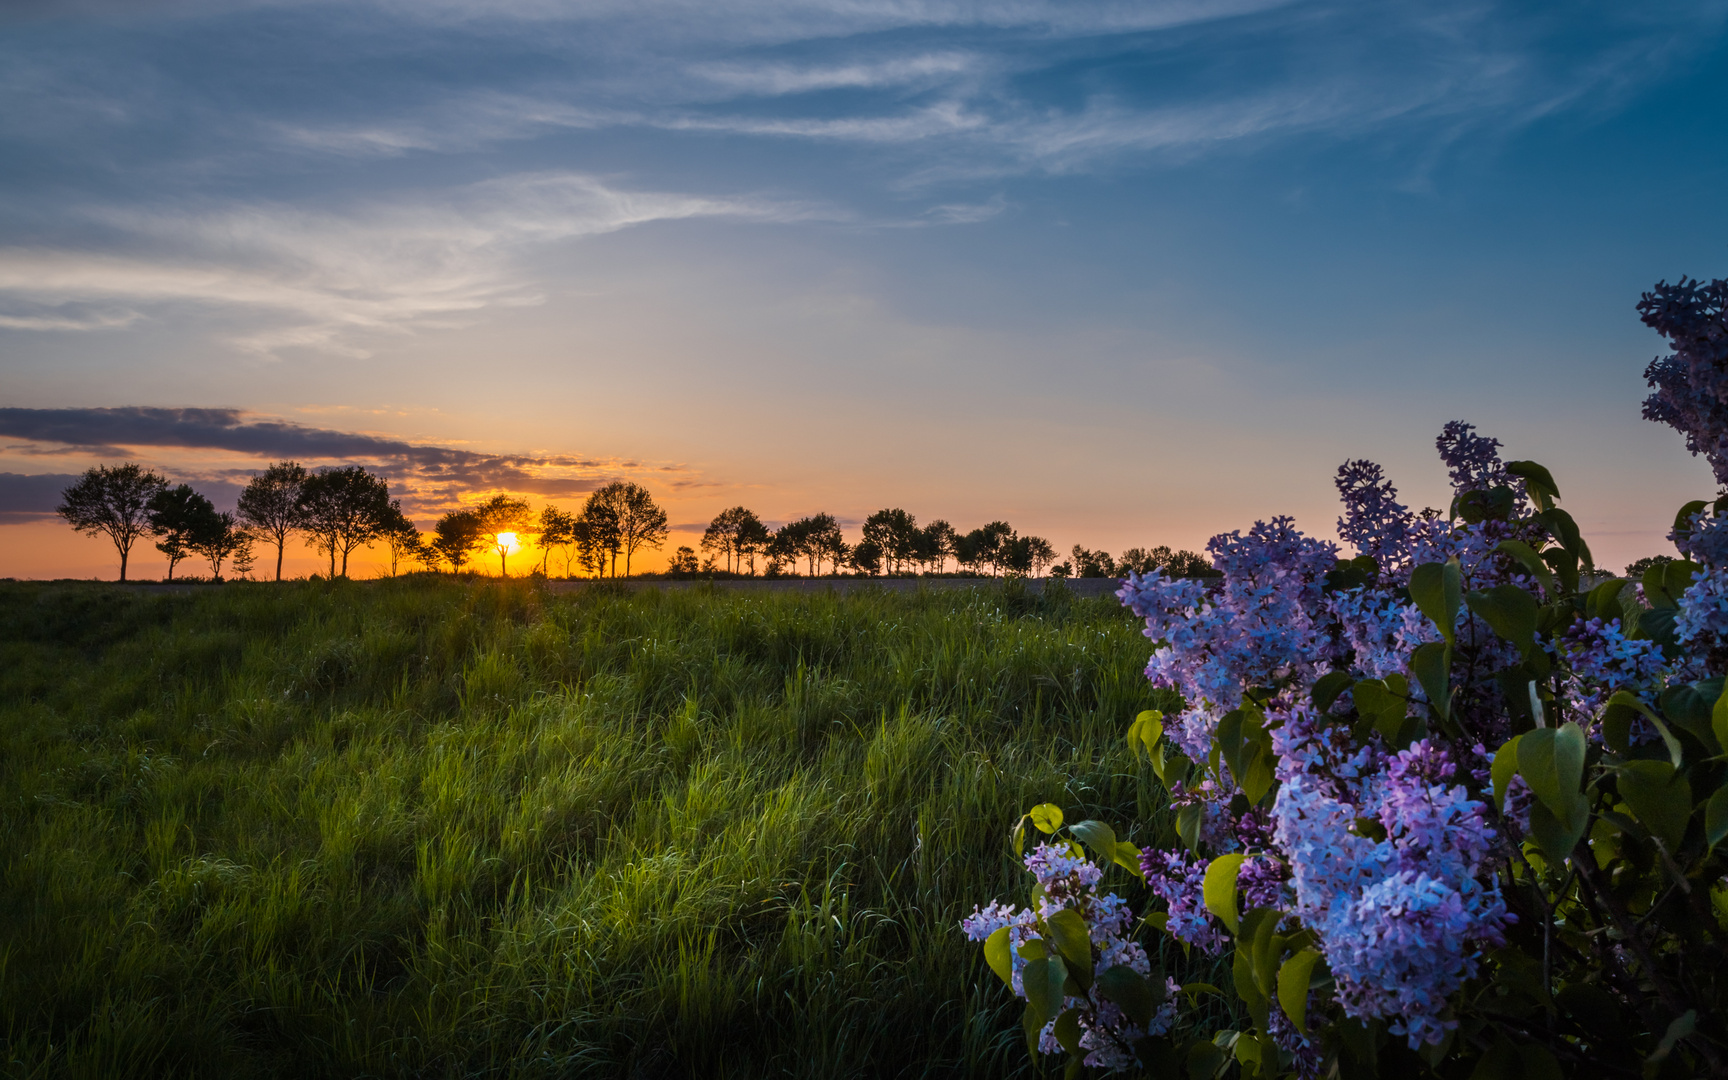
{"x": 433, "y": 471}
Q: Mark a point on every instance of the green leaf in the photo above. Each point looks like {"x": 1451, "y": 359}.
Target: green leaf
{"x": 1043, "y": 980}
{"x": 1677, "y": 577}
{"x": 1127, "y": 856}
{"x": 1691, "y": 706}
{"x": 1660, "y": 799}
{"x": 1096, "y": 835}
{"x": 1505, "y": 767}
{"x": 1501, "y": 1062}
{"x": 1048, "y": 817}
{"x": 1565, "y": 530}
{"x": 1656, "y": 589}
{"x": 1719, "y": 717}
{"x": 1218, "y": 888}
{"x": 1188, "y": 821}
{"x": 1145, "y": 731}
{"x": 1073, "y": 940}
{"x": 1432, "y": 665}
{"x": 1536, "y": 1063}
{"x": 1067, "y": 1031}
{"x": 1633, "y": 701}
{"x": 999, "y": 955}
{"x": 1532, "y": 562}
{"x": 1565, "y": 566}
{"x": 1604, "y": 600}
{"x": 1293, "y": 980}
{"x": 1716, "y": 817}
{"x": 1205, "y": 1059}
{"x": 1258, "y": 776}
{"x": 1130, "y": 991}
{"x": 1682, "y": 1026}
{"x": 1020, "y": 837}
{"x": 1538, "y": 482}
{"x": 1437, "y": 589}
{"x": 1558, "y": 835}
{"x": 1551, "y": 760}
{"x": 1032, "y": 1025}
{"x": 1328, "y": 687}
{"x": 1510, "y": 612}
{"x": 1683, "y": 520}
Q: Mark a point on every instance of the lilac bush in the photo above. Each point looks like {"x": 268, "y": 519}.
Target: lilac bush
{"x": 1449, "y": 801}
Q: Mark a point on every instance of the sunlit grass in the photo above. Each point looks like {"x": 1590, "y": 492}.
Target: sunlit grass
{"x": 424, "y": 828}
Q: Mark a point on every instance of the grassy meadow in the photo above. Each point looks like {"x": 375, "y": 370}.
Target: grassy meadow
{"x": 433, "y": 828}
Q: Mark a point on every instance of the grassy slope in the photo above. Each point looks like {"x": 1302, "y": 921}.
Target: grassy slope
{"x": 422, "y": 828}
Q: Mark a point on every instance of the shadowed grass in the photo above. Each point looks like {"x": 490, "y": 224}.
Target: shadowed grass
{"x": 425, "y": 828}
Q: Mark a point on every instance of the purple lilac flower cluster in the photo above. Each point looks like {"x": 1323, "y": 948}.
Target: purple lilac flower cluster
{"x": 1068, "y": 881}
{"x": 1402, "y": 919}
{"x": 1375, "y": 523}
{"x": 1602, "y": 660}
{"x": 1472, "y": 460}
{"x": 1703, "y": 618}
{"x": 1263, "y": 625}
{"x": 1403, "y": 910}
{"x": 1689, "y": 383}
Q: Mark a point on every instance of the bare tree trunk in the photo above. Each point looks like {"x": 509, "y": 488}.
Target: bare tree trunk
{"x": 281, "y": 542}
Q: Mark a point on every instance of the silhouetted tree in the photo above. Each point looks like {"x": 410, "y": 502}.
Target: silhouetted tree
{"x": 1143, "y": 560}
{"x": 270, "y": 504}
{"x": 343, "y": 508}
{"x": 895, "y": 532}
{"x": 112, "y": 502}
{"x": 1031, "y": 554}
{"x": 1190, "y": 564}
{"x": 220, "y": 537}
{"x": 936, "y": 544}
{"x": 784, "y": 548}
{"x": 400, "y": 536}
{"x": 827, "y": 543}
{"x": 817, "y": 538}
{"x": 455, "y": 538}
{"x": 1635, "y": 571}
{"x": 503, "y": 521}
{"x": 753, "y": 540}
{"x": 600, "y": 531}
{"x": 557, "y": 531}
{"x": 594, "y": 541}
{"x": 683, "y": 562}
{"x": 1092, "y": 564}
{"x": 729, "y": 533}
{"x": 866, "y": 557}
{"x": 182, "y": 518}
{"x": 640, "y": 521}
{"x": 988, "y": 545}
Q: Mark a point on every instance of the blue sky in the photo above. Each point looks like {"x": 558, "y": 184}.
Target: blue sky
{"x": 1120, "y": 273}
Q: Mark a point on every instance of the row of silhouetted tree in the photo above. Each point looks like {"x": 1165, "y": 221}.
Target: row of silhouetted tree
{"x": 893, "y": 542}
{"x": 339, "y": 509}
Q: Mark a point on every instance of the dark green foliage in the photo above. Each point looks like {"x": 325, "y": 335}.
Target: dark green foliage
{"x": 429, "y": 828}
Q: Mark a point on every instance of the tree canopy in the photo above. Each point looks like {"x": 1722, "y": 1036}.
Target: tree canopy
{"x": 343, "y": 508}
{"x": 112, "y": 502}
{"x": 270, "y": 504}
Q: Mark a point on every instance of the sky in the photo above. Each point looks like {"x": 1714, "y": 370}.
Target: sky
{"x": 1118, "y": 273}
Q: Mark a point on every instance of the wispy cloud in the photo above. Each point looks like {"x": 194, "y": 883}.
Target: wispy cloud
{"x": 775, "y": 79}
{"x": 327, "y": 279}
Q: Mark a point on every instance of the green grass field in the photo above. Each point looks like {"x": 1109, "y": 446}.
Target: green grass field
{"x": 426, "y": 828}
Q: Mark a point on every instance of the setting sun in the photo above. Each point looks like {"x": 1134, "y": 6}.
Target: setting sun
{"x": 508, "y": 543}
